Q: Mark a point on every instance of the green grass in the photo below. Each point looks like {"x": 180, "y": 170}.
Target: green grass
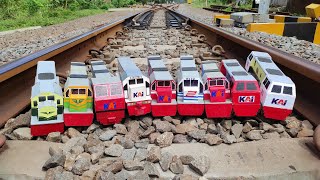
{"x": 46, "y": 18}
{"x": 202, "y": 3}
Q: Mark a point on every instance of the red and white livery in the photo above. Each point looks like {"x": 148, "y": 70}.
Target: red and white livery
{"x": 163, "y": 88}
{"x": 190, "y": 88}
{"x": 217, "y": 98}
{"x": 109, "y": 103}
{"x": 136, "y": 87}
{"x": 245, "y": 91}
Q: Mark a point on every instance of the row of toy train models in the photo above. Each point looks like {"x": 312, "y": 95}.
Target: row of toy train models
{"x": 220, "y": 91}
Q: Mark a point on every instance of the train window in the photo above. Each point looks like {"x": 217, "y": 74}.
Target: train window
{"x": 201, "y": 88}
{"x": 42, "y": 98}
{"x": 255, "y": 62}
{"x": 167, "y": 83}
{"x": 226, "y": 84}
{"x": 287, "y": 90}
{"x": 100, "y": 91}
{"x": 220, "y": 82}
{"x": 45, "y": 76}
{"x": 276, "y": 89}
{"x": 139, "y": 81}
{"x": 194, "y": 83}
{"x": 115, "y": 90}
{"x": 266, "y": 60}
{"x": 266, "y": 83}
{"x": 160, "y": 83}
{"x": 153, "y": 86}
{"x": 251, "y": 86}
{"x": 58, "y": 101}
{"x": 180, "y": 87}
{"x": 250, "y": 57}
{"x": 240, "y": 86}
{"x": 186, "y": 82}
{"x": 74, "y": 91}
{"x": 173, "y": 86}
{"x": 82, "y": 91}
{"x": 125, "y": 87}
{"x": 51, "y": 98}
{"x": 212, "y": 83}
{"x": 132, "y": 81}
{"x": 206, "y": 86}
{"x": 147, "y": 84}
{"x": 67, "y": 93}
{"x": 35, "y": 103}
{"x": 89, "y": 92}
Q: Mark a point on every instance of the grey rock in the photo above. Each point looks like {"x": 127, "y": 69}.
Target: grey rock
{"x": 236, "y": 130}
{"x": 271, "y": 135}
{"x": 164, "y": 139}
{"x": 228, "y": 139}
{"x": 96, "y": 149}
{"x": 227, "y": 124}
{"x": 82, "y": 164}
{"x": 132, "y": 165}
{"x": 14, "y": 123}
{"x": 200, "y": 165}
{"x": 147, "y": 120}
{"x": 101, "y": 175}
{"x": 253, "y": 122}
{"x": 199, "y": 121}
{"x": 143, "y": 125}
{"x": 305, "y": 132}
{"x": 221, "y": 130}
{"x": 212, "y": 129}
{"x": 55, "y": 150}
{"x": 64, "y": 139}
{"x": 77, "y": 150}
{"x": 293, "y": 123}
{"x": 247, "y": 127}
{"x": 69, "y": 162}
{"x": 185, "y": 177}
{"x": 163, "y": 126}
{"x": 132, "y": 125}
{"x": 126, "y": 142}
{"x": 141, "y": 154}
{"x": 107, "y": 135}
{"x": 278, "y": 128}
{"x": 64, "y": 175}
{"x": 184, "y": 128}
{"x": 154, "y": 154}
{"x": 120, "y": 129}
{"x": 176, "y": 165}
{"x": 143, "y": 143}
{"x": 197, "y": 134}
{"x": 115, "y": 167}
{"x": 293, "y": 132}
{"x": 153, "y": 137}
{"x": 151, "y": 170}
{"x": 254, "y": 135}
{"x": 54, "y": 161}
{"x": 114, "y": 150}
{"x": 51, "y": 173}
{"x": 213, "y": 139}
{"x": 128, "y": 154}
{"x": 165, "y": 160}
{"x": 72, "y": 133}
{"x": 89, "y": 174}
{"x": 186, "y": 159}
{"x": 179, "y": 138}
{"x": 92, "y": 128}
{"x": 203, "y": 126}
{"x": 54, "y": 137}
{"x": 23, "y": 133}
{"x": 284, "y": 134}
{"x": 95, "y": 157}
{"x": 306, "y": 124}
{"x": 167, "y": 118}
{"x": 123, "y": 175}
{"x": 147, "y": 132}
{"x": 266, "y": 127}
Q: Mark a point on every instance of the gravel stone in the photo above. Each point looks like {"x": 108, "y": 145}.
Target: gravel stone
{"x": 293, "y": 123}
{"x": 200, "y": 165}
{"x": 179, "y": 138}
{"x": 54, "y": 137}
{"x": 115, "y": 167}
{"x": 213, "y": 139}
{"x": 54, "y": 161}
{"x": 77, "y": 150}
{"x": 147, "y": 121}
{"x": 82, "y": 164}
{"x": 101, "y": 175}
{"x": 114, "y": 150}
{"x": 306, "y": 124}
{"x": 153, "y": 137}
{"x": 126, "y": 142}
{"x": 132, "y": 165}
{"x": 278, "y": 128}
{"x": 55, "y": 150}
{"x": 186, "y": 159}
{"x": 163, "y": 126}
{"x": 72, "y": 132}
{"x": 228, "y": 139}
{"x": 147, "y": 133}
{"x": 227, "y": 124}
{"x": 236, "y": 130}
{"x": 305, "y": 132}
{"x": 23, "y": 133}
{"x": 254, "y": 135}
{"x": 143, "y": 143}
{"x": 151, "y": 170}
{"x": 176, "y": 165}
{"x": 266, "y": 127}
{"x": 184, "y": 128}
{"x": 128, "y": 154}
{"x": 164, "y": 139}
{"x": 120, "y": 129}
{"x": 69, "y": 162}
{"x": 123, "y": 175}
{"x": 107, "y": 135}
{"x": 284, "y": 134}
{"x": 154, "y": 154}
{"x": 247, "y": 127}
{"x": 271, "y": 135}
{"x": 212, "y": 129}
{"x": 197, "y": 134}
{"x": 165, "y": 160}
{"x": 141, "y": 175}
{"x": 92, "y": 128}
{"x": 141, "y": 154}
{"x": 293, "y": 132}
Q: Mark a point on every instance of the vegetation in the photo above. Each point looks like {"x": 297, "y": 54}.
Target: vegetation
{"x": 24, "y": 13}
{"x": 202, "y": 3}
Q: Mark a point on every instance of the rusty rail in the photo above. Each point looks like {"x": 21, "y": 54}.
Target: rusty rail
{"x": 304, "y": 73}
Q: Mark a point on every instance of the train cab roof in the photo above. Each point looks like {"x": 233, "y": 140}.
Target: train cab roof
{"x": 45, "y": 87}
{"x": 210, "y": 67}
{"x": 127, "y": 68}
{"x": 160, "y": 76}
{"x": 105, "y": 78}
{"x": 74, "y": 82}
{"x": 188, "y": 66}
{"x": 99, "y": 69}
{"x": 186, "y": 57}
{"x": 236, "y": 71}
{"x": 213, "y": 75}
{"x": 46, "y": 71}
{"x": 94, "y": 63}
{"x": 274, "y": 74}
{"x": 260, "y": 54}
{"x": 78, "y": 71}
{"x": 157, "y": 65}
{"x": 154, "y": 57}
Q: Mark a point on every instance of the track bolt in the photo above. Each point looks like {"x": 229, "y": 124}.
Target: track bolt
{"x": 194, "y": 32}
{"x": 218, "y": 50}
{"x": 202, "y": 38}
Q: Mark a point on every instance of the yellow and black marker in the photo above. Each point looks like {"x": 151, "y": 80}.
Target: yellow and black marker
{"x": 221, "y": 16}
{"x": 313, "y": 10}
{"x": 303, "y": 31}
{"x": 283, "y": 18}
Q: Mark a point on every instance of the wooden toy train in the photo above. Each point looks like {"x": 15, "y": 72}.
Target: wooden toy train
{"x": 220, "y": 91}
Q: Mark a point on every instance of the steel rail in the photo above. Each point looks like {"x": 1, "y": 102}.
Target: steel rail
{"x": 17, "y": 77}
{"x": 304, "y": 73}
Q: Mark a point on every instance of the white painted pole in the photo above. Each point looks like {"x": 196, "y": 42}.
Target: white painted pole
{"x": 264, "y": 7}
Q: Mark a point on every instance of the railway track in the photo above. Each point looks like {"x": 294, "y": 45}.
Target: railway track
{"x": 17, "y": 77}
{"x": 228, "y": 10}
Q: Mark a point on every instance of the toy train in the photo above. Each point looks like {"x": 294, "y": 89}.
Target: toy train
{"x": 219, "y": 91}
